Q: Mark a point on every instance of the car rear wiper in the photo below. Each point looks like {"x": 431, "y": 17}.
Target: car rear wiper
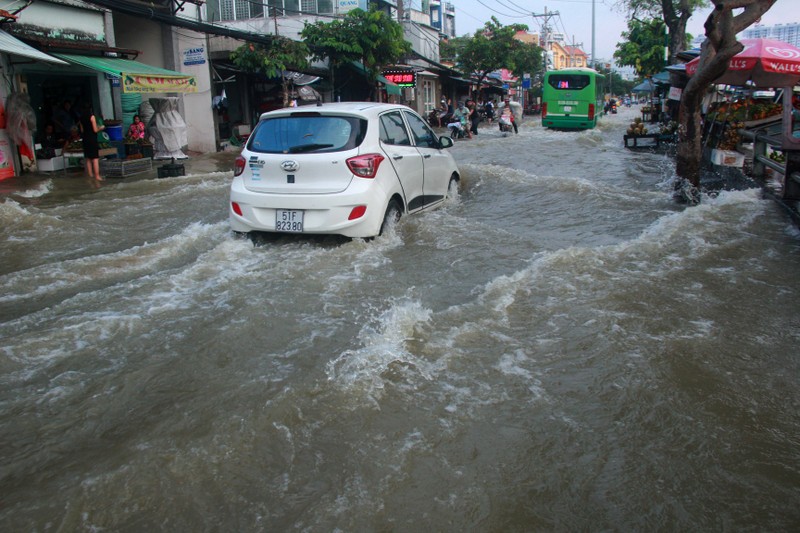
{"x": 308, "y": 147}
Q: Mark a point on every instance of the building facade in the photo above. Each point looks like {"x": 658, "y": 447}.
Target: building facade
{"x": 109, "y": 60}
{"x": 788, "y": 33}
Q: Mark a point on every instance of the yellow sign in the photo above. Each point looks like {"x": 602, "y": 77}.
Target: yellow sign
{"x": 142, "y": 83}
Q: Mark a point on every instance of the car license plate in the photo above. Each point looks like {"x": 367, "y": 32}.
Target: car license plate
{"x": 289, "y": 220}
{"x": 567, "y": 108}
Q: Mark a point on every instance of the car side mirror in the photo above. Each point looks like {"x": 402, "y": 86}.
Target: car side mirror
{"x": 445, "y": 142}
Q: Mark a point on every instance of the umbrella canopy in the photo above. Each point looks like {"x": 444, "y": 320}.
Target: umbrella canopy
{"x": 765, "y": 62}
{"x": 647, "y": 86}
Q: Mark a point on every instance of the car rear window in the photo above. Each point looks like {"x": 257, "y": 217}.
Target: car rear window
{"x": 306, "y": 133}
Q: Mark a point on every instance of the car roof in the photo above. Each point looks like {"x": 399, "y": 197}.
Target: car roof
{"x": 365, "y": 109}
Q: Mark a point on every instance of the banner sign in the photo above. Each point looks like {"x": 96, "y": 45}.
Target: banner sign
{"x": 6, "y": 156}
{"x": 194, "y": 56}
{"x": 401, "y": 78}
{"x": 348, "y": 5}
{"x": 142, "y": 83}
{"x": 675, "y": 94}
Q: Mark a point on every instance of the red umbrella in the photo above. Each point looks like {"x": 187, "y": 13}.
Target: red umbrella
{"x": 765, "y": 62}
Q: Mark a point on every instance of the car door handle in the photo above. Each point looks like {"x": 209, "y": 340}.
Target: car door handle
{"x": 397, "y": 157}
{"x": 427, "y": 156}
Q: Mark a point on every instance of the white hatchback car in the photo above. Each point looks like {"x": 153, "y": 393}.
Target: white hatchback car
{"x": 339, "y": 168}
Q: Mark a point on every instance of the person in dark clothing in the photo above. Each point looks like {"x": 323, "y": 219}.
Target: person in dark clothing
{"x": 474, "y": 116}
{"x": 91, "y": 147}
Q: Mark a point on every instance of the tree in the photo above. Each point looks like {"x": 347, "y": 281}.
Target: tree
{"x": 675, "y": 13}
{"x": 717, "y": 50}
{"x": 283, "y": 54}
{"x": 643, "y": 47}
{"x": 525, "y": 58}
{"x": 368, "y": 37}
{"x": 494, "y": 47}
{"x": 450, "y": 49}
{"x": 613, "y": 82}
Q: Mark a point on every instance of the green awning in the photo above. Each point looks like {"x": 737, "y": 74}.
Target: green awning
{"x": 136, "y": 77}
{"x": 391, "y": 87}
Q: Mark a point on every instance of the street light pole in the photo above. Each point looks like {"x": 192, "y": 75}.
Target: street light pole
{"x": 594, "y": 58}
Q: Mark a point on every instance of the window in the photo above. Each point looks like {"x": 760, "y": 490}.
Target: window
{"x": 221, "y": 10}
{"x": 393, "y": 130}
{"x": 423, "y": 135}
{"x": 304, "y": 132}
{"x": 567, "y": 82}
{"x": 234, "y": 9}
{"x": 428, "y": 96}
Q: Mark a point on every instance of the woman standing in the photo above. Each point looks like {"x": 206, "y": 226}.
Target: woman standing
{"x": 91, "y": 148}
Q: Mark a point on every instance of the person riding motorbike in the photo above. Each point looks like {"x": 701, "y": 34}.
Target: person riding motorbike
{"x": 458, "y": 126}
{"x": 507, "y": 120}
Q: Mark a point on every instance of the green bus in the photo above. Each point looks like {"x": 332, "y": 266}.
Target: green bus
{"x": 572, "y": 98}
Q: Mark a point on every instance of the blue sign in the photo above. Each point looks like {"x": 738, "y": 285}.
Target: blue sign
{"x": 194, "y": 56}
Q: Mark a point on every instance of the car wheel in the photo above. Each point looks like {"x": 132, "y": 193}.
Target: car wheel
{"x": 452, "y": 187}
{"x": 391, "y": 217}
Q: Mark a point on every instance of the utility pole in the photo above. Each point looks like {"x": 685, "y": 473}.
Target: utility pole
{"x": 546, "y": 28}
{"x": 572, "y": 48}
{"x": 594, "y": 60}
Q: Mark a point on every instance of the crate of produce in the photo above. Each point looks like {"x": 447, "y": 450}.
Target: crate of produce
{"x": 119, "y": 168}
{"x": 727, "y": 158}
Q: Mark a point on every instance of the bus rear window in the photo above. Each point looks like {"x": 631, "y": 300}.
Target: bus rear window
{"x": 573, "y": 82}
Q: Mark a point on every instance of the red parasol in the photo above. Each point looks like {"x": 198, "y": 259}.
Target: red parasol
{"x": 765, "y": 62}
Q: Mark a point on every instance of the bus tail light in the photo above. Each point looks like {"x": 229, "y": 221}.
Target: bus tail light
{"x": 544, "y": 109}
{"x": 591, "y": 111}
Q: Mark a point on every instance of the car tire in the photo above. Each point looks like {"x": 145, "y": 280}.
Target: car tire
{"x": 392, "y": 215}
{"x": 453, "y": 185}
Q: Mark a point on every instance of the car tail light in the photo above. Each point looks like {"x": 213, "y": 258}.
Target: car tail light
{"x": 357, "y": 212}
{"x": 591, "y": 111}
{"x": 365, "y": 166}
{"x": 544, "y": 109}
{"x": 238, "y": 165}
{"x": 236, "y": 209}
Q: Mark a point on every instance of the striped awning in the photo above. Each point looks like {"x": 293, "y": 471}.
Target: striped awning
{"x": 13, "y": 46}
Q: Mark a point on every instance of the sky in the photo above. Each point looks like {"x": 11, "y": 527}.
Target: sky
{"x": 575, "y": 19}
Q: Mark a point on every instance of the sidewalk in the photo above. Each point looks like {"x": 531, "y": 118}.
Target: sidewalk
{"x": 76, "y": 178}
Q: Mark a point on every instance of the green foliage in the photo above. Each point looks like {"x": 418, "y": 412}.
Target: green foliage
{"x": 674, "y": 13}
{"x": 369, "y": 37}
{"x": 494, "y": 47}
{"x": 655, "y": 8}
{"x": 613, "y": 83}
{"x": 451, "y": 49}
{"x": 643, "y": 47}
{"x": 283, "y": 54}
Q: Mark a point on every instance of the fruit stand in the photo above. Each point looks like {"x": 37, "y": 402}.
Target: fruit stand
{"x": 73, "y": 153}
{"x": 725, "y": 120}
{"x": 637, "y": 131}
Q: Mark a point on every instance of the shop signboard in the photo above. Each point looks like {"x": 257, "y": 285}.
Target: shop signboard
{"x": 194, "y": 56}
{"x": 344, "y": 6}
{"x": 6, "y": 156}
{"x": 142, "y": 83}
{"x": 401, "y": 78}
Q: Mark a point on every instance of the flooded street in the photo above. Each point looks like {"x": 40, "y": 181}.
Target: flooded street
{"x": 562, "y": 347}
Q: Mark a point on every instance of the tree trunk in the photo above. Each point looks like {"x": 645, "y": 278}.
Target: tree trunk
{"x": 675, "y": 20}
{"x": 716, "y": 52}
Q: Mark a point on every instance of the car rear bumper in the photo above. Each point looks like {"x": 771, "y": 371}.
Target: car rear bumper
{"x": 322, "y": 213}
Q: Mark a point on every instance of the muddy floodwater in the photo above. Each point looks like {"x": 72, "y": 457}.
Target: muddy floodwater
{"x": 561, "y": 347}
